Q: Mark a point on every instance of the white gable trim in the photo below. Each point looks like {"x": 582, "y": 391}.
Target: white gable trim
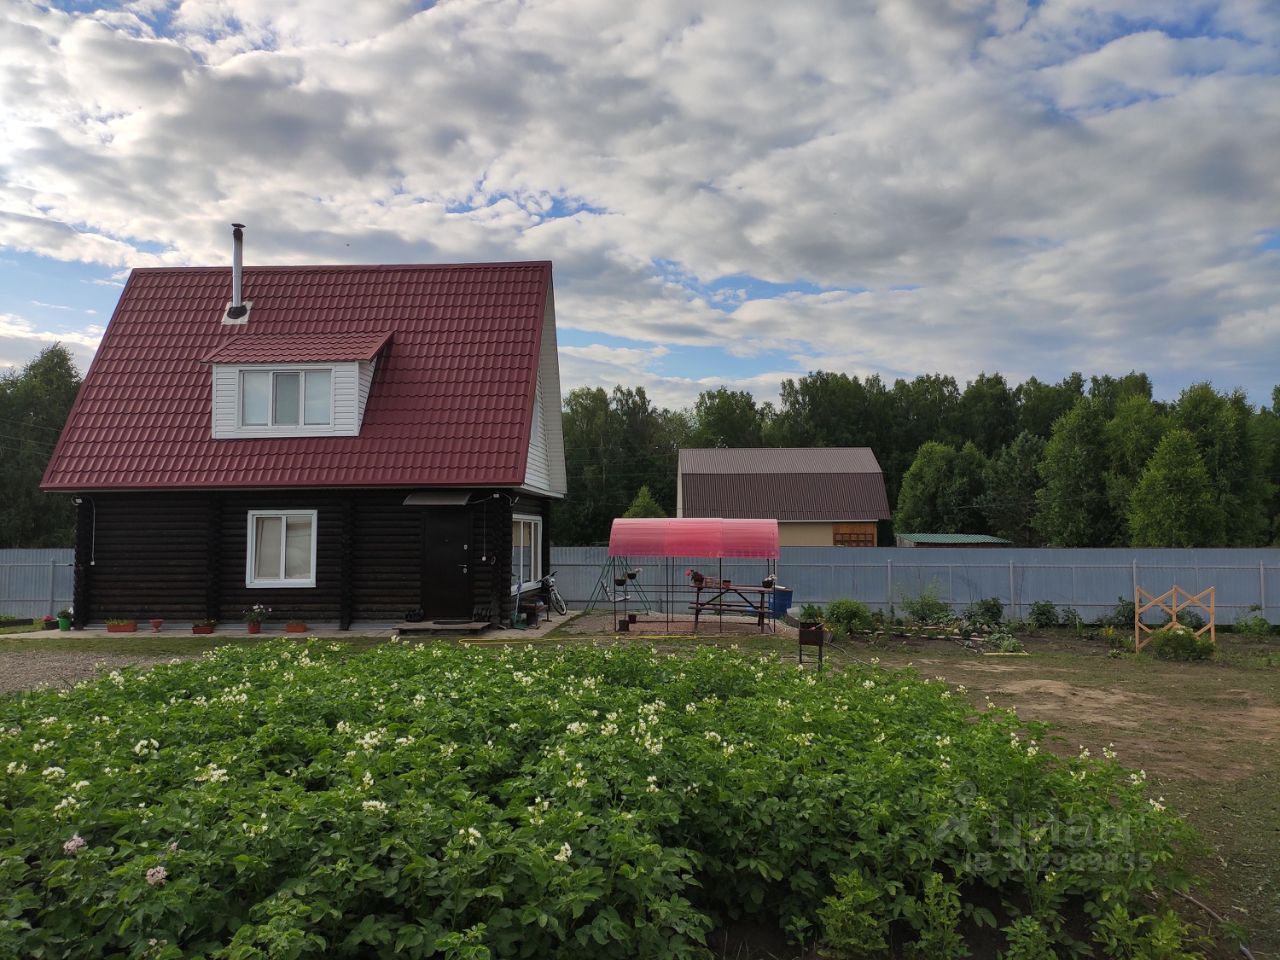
{"x": 544, "y": 468}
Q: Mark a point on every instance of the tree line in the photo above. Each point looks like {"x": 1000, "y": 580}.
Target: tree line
{"x": 1076, "y": 463}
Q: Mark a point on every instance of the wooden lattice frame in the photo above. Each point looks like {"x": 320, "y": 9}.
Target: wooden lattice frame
{"x": 1171, "y": 601}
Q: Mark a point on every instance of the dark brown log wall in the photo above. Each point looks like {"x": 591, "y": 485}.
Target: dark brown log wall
{"x": 182, "y": 556}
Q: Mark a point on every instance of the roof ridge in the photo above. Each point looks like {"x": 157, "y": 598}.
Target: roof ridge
{"x": 333, "y": 267}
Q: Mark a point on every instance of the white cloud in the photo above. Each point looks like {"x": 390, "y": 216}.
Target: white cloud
{"x": 21, "y": 341}
{"x": 1076, "y": 184}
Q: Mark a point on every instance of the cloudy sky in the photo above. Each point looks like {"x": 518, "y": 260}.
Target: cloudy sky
{"x": 732, "y": 191}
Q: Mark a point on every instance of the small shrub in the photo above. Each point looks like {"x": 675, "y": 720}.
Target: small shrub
{"x": 1180, "y": 643}
{"x": 987, "y": 612}
{"x": 846, "y": 616}
{"x": 927, "y": 608}
{"x": 1122, "y": 615}
{"x": 1070, "y": 617}
{"x": 1043, "y": 614}
{"x": 1253, "y": 622}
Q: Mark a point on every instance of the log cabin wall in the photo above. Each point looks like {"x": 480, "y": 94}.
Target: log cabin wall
{"x": 182, "y": 555}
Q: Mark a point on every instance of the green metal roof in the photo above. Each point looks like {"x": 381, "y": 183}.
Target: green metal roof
{"x": 953, "y": 538}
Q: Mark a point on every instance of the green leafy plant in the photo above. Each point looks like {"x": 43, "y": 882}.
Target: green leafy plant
{"x": 1027, "y": 939}
{"x": 937, "y": 917}
{"x": 811, "y": 613}
{"x": 1122, "y": 615}
{"x": 927, "y": 607}
{"x": 1177, "y": 642}
{"x": 1252, "y": 622}
{"x": 1118, "y": 641}
{"x": 1005, "y": 643}
{"x": 853, "y": 919}
{"x": 1071, "y": 617}
{"x": 987, "y": 612}
{"x": 1043, "y": 614}
{"x": 846, "y": 616}
{"x": 296, "y": 799}
{"x": 120, "y": 621}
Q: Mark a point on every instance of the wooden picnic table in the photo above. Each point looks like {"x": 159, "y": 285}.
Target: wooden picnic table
{"x": 730, "y": 598}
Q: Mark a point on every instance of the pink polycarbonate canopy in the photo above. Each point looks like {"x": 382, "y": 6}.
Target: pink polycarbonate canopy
{"x": 694, "y": 537}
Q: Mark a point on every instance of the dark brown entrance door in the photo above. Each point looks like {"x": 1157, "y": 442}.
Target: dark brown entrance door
{"x": 446, "y": 563}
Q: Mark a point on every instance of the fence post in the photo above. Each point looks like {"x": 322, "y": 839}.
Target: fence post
{"x": 53, "y": 586}
{"x": 1135, "y": 580}
{"x": 1013, "y": 606}
{"x": 889, "y": 583}
{"x": 1262, "y": 587}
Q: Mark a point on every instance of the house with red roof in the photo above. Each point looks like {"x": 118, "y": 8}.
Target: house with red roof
{"x": 339, "y": 443}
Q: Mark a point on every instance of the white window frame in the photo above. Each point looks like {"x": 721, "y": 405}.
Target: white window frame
{"x": 251, "y": 551}
{"x": 273, "y": 372}
{"x": 535, "y": 557}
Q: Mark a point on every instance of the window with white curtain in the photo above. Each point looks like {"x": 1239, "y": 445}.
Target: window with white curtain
{"x": 282, "y": 549}
{"x": 526, "y": 548}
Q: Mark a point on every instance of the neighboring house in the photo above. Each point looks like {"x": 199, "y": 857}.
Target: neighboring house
{"x": 350, "y": 443}
{"x": 950, "y": 540}
{"x": 820, "y": 496}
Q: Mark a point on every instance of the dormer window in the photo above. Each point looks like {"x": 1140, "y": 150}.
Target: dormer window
{"x": 286, "y": 398}
{"x": 274, "y": 385}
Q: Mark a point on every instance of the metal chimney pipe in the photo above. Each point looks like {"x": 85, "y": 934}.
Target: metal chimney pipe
{"x": 237, "y": 263}
{"x": 236, "y": 310}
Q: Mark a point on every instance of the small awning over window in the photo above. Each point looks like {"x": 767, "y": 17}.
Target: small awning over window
{"x": 438, "y": 498}
{"x": 694, "y": 537}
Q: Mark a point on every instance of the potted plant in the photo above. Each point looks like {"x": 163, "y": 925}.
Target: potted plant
{"x": 50, "y": 623}
{"x": 203, "y": 627}
{"x": 64, "y": 618}
{"x": 255, "y": 615}
{"x": 156, "y": 624}
{"x": 296, "y": 626}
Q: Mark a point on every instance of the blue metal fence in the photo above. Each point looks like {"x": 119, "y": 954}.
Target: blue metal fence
{"x": 38, "y": 582}
{"x": 1091, "y": 581}
{"x": 34, "y": 583}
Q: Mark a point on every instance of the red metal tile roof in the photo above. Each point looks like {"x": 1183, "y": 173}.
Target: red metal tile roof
{"x": 451, "y": 402}
{"x": 786, "y": 483}
{"x": 299, "y": 348}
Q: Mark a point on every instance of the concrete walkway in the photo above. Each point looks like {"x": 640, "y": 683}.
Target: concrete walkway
{"x": 374, "y": 629}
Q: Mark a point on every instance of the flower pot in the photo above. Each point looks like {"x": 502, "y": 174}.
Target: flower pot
{"x": 201, "y": 629}
{"x": 631, "y": 618}
{"x": 253, "y": 626}
{"x": 624, "y": 626}
{"x": 51, "y": 624}
{"x": 129, "y": 627}
{"x": 619, "y": 581}
{"x": 156, "y": 624}
{"x": 295, "y": 627}
{"x": 64, "y": 623}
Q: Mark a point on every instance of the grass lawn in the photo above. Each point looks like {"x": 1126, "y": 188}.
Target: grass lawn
{"x": 1205, "y": 733}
